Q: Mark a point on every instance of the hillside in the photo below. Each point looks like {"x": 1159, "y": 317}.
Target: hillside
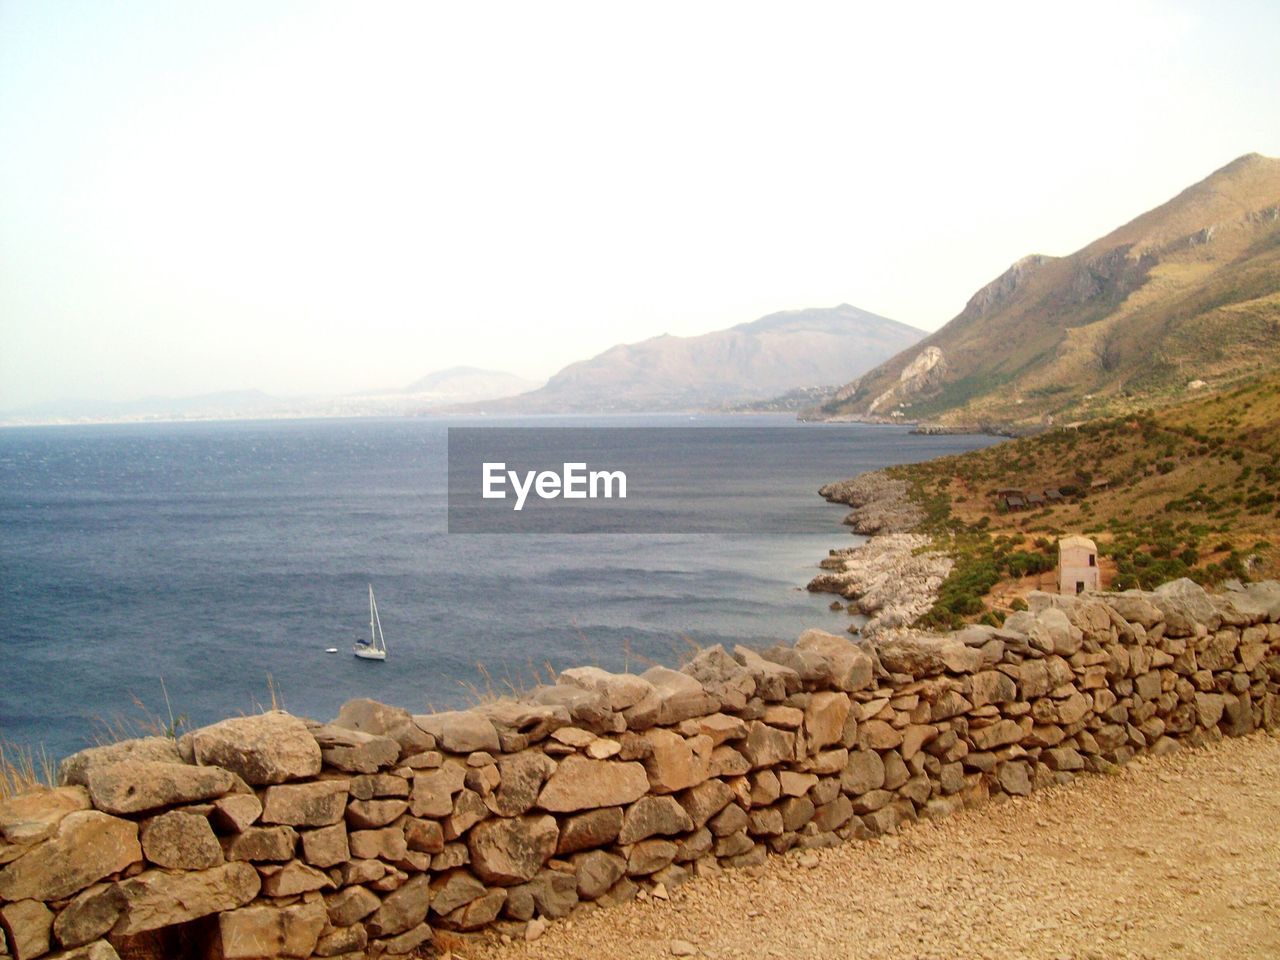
{"x": 751, "y": 361}
{"x": 1188, "y": 291}
{"x": 1189, "y": 490}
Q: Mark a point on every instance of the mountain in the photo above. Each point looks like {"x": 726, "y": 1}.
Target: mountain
{"x": 471, "y": 383}
{"x": 434, "y": 391}
{"x": 751, "y": 361}
{"x": 225, "y": 404}
{"x": 1187, "y": 292}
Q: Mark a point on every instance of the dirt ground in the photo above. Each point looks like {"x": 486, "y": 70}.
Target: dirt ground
{"x": 1174, "y": 857}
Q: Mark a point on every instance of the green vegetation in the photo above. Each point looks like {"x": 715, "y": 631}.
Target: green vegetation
{"x": 1190, "y": 491}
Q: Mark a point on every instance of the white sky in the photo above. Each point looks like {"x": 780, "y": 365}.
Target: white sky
{"x": 328, "y": 197}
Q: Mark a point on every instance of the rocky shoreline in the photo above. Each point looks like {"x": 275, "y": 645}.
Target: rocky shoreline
{"x": 893, "y": 579}
{"x": 880, "y": 503}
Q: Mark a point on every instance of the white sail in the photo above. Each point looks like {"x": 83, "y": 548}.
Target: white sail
{"x": 376, "y": 648}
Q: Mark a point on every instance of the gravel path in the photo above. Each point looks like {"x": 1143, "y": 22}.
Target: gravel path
{"x": 1174, "y": 857}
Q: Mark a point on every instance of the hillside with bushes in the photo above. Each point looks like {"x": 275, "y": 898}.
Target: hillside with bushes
{"x": 1191, "y": 490}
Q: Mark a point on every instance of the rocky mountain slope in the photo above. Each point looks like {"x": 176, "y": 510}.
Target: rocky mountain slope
{"x": 1187, "y": 292}
{"x": 751, "y": 361}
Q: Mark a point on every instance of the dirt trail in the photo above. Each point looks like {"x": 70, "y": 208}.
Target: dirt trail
{"x": 1174, "y": 857}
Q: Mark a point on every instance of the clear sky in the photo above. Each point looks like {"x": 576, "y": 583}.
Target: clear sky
{"x": 325, "y": 197}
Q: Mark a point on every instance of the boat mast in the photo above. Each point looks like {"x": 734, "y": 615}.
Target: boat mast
{"x": 376, "y": 638}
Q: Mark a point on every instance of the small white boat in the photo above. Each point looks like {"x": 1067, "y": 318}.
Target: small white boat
{"x": 330, "y": 649}
{"x": 376, "y": 647}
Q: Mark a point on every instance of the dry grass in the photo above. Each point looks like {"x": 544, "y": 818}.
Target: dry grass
{"x": 143, "y": 722}
{"x": 489, "y": 689}
{"x": 24, "y": 769}
{"x": 517, "y": 685}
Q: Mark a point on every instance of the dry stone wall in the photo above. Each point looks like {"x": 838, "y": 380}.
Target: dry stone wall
{"x": 271, "y": 836}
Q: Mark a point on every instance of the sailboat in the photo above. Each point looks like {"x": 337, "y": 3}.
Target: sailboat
{"x": 376, "y": 647}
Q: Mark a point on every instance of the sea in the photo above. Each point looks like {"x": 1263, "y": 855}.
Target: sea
{"x": 166, "y": 575}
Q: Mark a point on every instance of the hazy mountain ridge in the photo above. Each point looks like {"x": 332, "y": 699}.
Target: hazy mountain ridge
{"x": 437, "y": 389}
{"x": 470, "y": 382}
{"x": 1187, "y": 291}
{"x": 752, "y": 361}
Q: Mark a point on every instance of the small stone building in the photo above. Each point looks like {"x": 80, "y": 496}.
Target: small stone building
{"x": 1077, "y": 565}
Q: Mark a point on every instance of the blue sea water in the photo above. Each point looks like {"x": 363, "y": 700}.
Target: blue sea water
{"x": 223, "y": 558}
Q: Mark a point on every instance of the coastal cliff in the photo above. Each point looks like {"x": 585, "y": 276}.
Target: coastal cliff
{"x": 383, "y": 831}
{"x": 1183, "y": 294}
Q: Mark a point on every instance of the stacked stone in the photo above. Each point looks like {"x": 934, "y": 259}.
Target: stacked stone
{"x": 271, "y": 836}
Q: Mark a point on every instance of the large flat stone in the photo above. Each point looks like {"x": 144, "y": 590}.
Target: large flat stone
{"x": 74, "y": 770}
{"x": 87, "y": 846}
{"x": 589, "y": 830}
{"x": 851, "y": 668}
{"x": 264, "y": 749}
{"x": 623, "y": 690}
{"x": 654, "y": 816}
{"x": 1185, "y": 604}
{"x": 32, "y": 817}
{"x": 596, "y": 872}
{"x": 403, "y": 909}
{"x": 582, "y": 784}
{"x": 270, "y": 931}
{"x": 261, "y": 844}
{"x": 292, "y": 878}
{"x": 316, "y": 804}
{"x": 522, "y": 776}
{"x": 925, "y": 656}
{"x": 453, "y": 889}
{"x": 354, "y": 751}
{"x": 180, "y": 841}
{"x": 767, "y": 746}
{"x": 774, "y": 681}
{"x": 722, "y": 677}
{"x": 507, "y": 851}
{"x": 433, "y": 792}
{"x": 680, "y": 696}
{"x": 136, "y": 786}
{"x": 158, "y": 898}
{"x": 350, "y": 905}
{"x": 90, "y": 915}
{"x": 586, "y": 708}
{"x": 824, "y": 718}
{"x": 28, "y": 924}
{"x": 520, "y": 723}
{"x": 460, "y": 731}
{"x": 676, "y": 763}
{"x": 382, "y": 720}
